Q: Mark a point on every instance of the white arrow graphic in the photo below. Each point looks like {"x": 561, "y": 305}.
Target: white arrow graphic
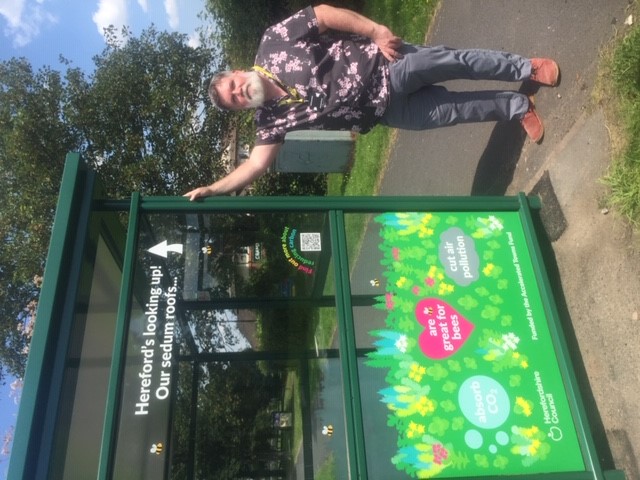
{"x": 162, "y": 249}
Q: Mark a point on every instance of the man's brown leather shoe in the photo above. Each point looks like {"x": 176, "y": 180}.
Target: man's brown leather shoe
{"x": 532, "y": 124}
{"x": 545, "y": 71}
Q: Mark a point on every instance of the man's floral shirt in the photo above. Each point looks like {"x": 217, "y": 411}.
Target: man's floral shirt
{"x": 348, "y": 71}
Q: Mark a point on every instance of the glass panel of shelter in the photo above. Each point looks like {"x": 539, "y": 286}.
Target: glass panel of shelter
{"x": 367, "y": 284}
{"x": 233, "y": 367}
{"x": 79, "y": 423}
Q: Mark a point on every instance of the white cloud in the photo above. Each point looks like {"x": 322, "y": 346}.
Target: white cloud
{"x": 12, "y": 10}
{"x": 173, "y": 17}
{"x": 194, "y": 40}
{"x": 144, "y": 4}
{"x": 110, "y": 12}
{"x": 24, "y": 20}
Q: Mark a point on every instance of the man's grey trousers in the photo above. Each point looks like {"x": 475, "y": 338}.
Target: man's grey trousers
{"x": 416, "y": 103}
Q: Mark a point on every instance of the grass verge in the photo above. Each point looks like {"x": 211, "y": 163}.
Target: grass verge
{"x": 620, "y": 80}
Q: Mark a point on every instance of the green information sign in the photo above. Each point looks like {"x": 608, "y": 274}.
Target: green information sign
{"x": 473, "y": 383}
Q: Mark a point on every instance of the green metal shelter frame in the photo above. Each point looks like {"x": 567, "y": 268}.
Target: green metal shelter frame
{"x": 84, "y": 216}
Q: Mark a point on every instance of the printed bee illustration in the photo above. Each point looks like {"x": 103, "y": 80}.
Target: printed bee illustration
{"x": 156, "y": 448}
{"x": 327, "y": 430}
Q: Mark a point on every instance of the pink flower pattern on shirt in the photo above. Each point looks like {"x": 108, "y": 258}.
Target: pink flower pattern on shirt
{"x": 347, "y": 70}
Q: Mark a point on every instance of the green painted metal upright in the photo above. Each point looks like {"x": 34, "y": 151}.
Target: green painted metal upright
{"x": 105, "y": 470}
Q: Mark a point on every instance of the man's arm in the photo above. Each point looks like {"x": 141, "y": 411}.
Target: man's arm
{"x": 351, "y": 22}
{"x": 261, "y": 157}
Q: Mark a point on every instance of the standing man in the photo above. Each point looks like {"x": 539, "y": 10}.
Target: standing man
{"x": 331, "y": 68}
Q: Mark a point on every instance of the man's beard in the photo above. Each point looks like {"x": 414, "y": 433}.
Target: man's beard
{"x": 254, "y": 91}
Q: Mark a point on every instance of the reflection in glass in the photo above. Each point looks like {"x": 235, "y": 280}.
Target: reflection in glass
{"x": 367, "y": 287}
{"x": 80, "y": 419}
{"x": 253, "y": 368}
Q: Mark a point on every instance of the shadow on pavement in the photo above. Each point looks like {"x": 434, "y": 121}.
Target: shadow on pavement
{"x": 498, "y": 161}
{"x": 585, "y": 392}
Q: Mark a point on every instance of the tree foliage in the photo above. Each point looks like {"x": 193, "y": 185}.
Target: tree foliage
{"x": 240, "y": 29}
{"x": 291, "y": 184}
{"x": 234, "y": 423}
{"x": 140, "y": 119}
{"x": 33, "y": 142}
{"x": 143, "y": 116}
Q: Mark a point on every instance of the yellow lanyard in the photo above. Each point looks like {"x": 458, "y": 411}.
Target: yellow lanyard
{"x": 294, "y": 96}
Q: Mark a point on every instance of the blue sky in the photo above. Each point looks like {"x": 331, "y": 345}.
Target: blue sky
{"x": 42, "y": 30}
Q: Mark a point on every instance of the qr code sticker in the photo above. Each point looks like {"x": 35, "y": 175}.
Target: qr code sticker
{"x": 310, "y": 242}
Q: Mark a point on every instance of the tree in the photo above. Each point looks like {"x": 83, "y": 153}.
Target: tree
{"x": 33, "y": 142}
{"x": 141, "y": 120}
{"x": 240, "y": 29}
{"x": 233, "y": 399}
{"x": 143, "y": 117}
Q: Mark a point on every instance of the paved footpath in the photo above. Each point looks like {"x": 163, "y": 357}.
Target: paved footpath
{"x": 598, "y": 257}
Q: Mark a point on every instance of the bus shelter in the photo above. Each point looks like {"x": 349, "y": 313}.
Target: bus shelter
{"x": 298, "y": 338}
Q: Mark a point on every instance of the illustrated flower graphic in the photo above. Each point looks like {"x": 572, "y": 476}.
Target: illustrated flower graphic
{"x": 524, "y": 364}
{"x": 425, "y": 232}
{"x": 487, "y": 227}
{"x": 414, "y": 223}
{"x": 431, "y": 276}
{"x": 424, "y": 405}
{"x": 401, "y": 344}
{"x": 510, "y": 341}
{"x": 388, "y": 300}
{"x": 488, "y": 269}
{"x": 395, "y": 252}
{"x": 390, "y": 344}
{"x": 439, "y": 453}
{"x": 494, "y": 223}
{"x": 420, "y": 457}
{"x": 535, "y": 445}
{"x": 524, "y": 406}
{"x": 445, "y": 288}
{"x": 416, "y": 372}
{"x": 415, "y": 430}
{"x": 529, "y": 432}
{"x": 416, "y": 290}
{"x": 408, "y": 399}
{"x": 529, "y": 442}
{"x": 401, "y": 281}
